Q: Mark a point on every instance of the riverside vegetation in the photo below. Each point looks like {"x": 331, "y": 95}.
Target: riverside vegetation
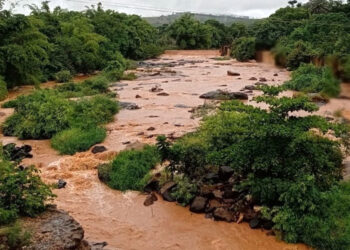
{"x": 282, "y": 171}
{"x": 276, "y": 163}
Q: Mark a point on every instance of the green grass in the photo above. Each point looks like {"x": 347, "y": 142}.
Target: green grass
{"x": 75, "y": 140}
{"x": 130, "y": 169}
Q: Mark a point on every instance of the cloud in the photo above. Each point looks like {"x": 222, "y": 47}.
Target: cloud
{"x": 252, "y": 8}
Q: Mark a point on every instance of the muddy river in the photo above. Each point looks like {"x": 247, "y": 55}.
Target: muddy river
{"x": 120, "y": 218}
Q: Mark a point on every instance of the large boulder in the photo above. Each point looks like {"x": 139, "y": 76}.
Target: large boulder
{"x": 224, "y": 95}
{"x": 56, "y": 229}
{"x": 198, "y": 205}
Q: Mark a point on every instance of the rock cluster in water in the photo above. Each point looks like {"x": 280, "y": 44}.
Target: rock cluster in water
{"x": 218, "y": 199}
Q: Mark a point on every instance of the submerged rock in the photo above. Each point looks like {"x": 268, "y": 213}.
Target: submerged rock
{"x": 61, "y": 184}
{"x": 231, "y": 73}
{"x": 98, "y": 149}
{"x": 129, "y": 105}
{"x": 150, "y": 199}
{"x": 224, "y": 95}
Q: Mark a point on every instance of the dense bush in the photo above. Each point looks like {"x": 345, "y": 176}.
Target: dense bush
{"x": 74, "y": 124}
{"x": 130, "y": 169}
{"x": 312, "y": 79}
{"x": 37, "y": 116}
{"x": 243, "y": 49}
{"x": 14, "y": 237}
{"x": 75, "y": 140}
{"x": 190, "y": 33}
{"x": 285, "y": 162}
{"x": 63, "y": 76}
{"x": 22, "y": 192}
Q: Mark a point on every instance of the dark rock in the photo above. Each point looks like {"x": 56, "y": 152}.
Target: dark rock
{"x": 218, "y": 194}
{"x": 250, "y": 87}
{"x": 128, "y": 105}
{"x": 207, "y": 191}
{"x": 126, "y": 142}
{"x": 262, "y": 79}
{"x": 223, "y": 214}
{"x": 255, "y": 223}
{"x": 163, "y": 94}
{"x": 156, "y": 89}
{"x": 98, "y": 149}
{"x": 152, "y": 185}
{"x": 231, "y": 73}
{"x": 61, "y": 184}
{"x": 150, "y": 199}
{"x": 165, "y": 191}
{"x": 151, "y": 129}
{"x": 267, "y": 225}
{"x": 138, "y": 96}
{"x": 198, "y": 204}
{"x": 275, "y": 74}
{"x": 224, "y": 95}
{"x": 230, "y": 194}
{"x": 253, "y": 79}
{"x": 211, "y": 177}
{"x": 225, "y": 172}
{"x": 14, "y": 153}
{"x": 212, "y": 205}
{"x": 249, "y": 214}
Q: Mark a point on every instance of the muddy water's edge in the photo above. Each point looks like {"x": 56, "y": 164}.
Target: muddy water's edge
{"x": 120, "y": 218}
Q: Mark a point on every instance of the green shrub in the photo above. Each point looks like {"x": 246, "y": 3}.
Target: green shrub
{"x": 184, "y": 191}
{"x": 38, "y": 116}
{"x": 321, "y": 219}
{"x": 22, "y": 192}
{"x": 130, "y": 169}
{"x": 243, "y": 49}
{"x": 3, "y": 89}
{"x": 75, "y": 140}
{"x": 63, "y": 76}
{"x": 312, "y": 79}
{"x": 115, "y": 69}
{"x": 91, "y": 112}
{"x": 15, "y": 237}
{"x": 280, "y": 160}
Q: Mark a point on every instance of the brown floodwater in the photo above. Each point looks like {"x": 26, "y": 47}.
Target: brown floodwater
{"x": 121, "y": 219}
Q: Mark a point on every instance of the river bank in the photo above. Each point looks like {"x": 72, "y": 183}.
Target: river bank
{"x": 120, "y": 218}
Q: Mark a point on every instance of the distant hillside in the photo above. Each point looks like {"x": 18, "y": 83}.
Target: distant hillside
{"x": 226, "y": 19}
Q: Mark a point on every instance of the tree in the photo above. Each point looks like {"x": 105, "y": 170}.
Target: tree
{"x": 190, "y": 33}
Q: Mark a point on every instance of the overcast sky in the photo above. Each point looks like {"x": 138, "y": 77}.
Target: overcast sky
{"x": 252, "y": 8}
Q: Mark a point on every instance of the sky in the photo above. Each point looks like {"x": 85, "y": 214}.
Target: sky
{"x": 251, "y": 8}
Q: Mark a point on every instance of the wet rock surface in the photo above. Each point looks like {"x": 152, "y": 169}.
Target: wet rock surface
{"x": 224, "y": 95}
{"x": 14, "y": 153}
{"x": 57, "y": 230}
{"x": 129, "y": 105}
